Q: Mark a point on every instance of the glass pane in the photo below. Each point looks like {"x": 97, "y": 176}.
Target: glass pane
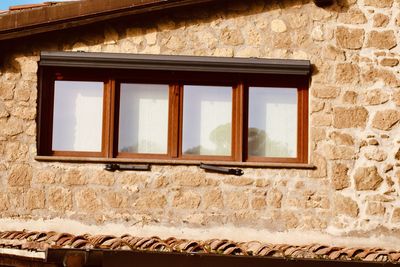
{"x": 207, "y": 120}
{"x": 143, "y": 119}
{"x": 272, "y": 122}
{"x": 78, "y": 116}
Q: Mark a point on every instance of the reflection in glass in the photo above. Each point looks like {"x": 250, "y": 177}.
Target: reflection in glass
{"x": 207, "y": 120}
{"x": 272, "y": 122}
{"x": 78, "y": 115}
{"x": 143, "y": 118}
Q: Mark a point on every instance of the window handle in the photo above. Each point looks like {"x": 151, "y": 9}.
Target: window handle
{"x": 237, "y": 172}
{"x": 118, "y": 167}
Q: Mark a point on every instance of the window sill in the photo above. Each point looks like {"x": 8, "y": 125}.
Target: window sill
{"x": 177, "y": 162}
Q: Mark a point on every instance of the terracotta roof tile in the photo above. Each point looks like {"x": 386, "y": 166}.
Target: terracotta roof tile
{"x": 40, "y": 241}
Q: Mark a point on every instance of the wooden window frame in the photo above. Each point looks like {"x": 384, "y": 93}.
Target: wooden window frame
{"x": 239, "y": 78}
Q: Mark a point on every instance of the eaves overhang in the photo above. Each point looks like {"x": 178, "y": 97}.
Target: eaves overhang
{"x": 59, "y": 16}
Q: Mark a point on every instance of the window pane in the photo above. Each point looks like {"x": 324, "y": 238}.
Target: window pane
{"x": 78, "y": 116}
{"x": 143, "y": 119}
{"x": 207, "y": 120}
{"x": 272, "y": 122}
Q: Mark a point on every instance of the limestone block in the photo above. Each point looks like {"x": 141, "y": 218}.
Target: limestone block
{"x": 321, "y": 91}
{"x": 35, "y": 199}
{"x": 376, "y": 154}
{"x": 258, "y": 203}
{"x": 334, "y": 152}
{"x": 386, "y": 119}
{"x": 379, "y": 3}
{"x": 45, "y": 177}
{"x": 274, "y": 198}
{"x": 321, "y": 119}
{"x": 349, "y": 38}
{"x": 340, "y": 178}
{"x": 102, "y": 178}
{"x": 73, "y": 177}
{"x": 367, "y": 178}
{"x": 354, "y": 117}
{"x": 350, "y": 97}
{"x": 231, "y": 37}
{"x": 236, "y": 200}
{"x": 375, "y": 97}
{"x": 353, "y": 16}
{"x": 150, "y": 200}
{"x": 396, "y": 97}
{"x": 212, "y": 199}
{"x": 380, "y": 20}
{"x": 320, "y": 166}
{"x": 186, "y": 200}
{"x": 20, "y": 175}
{"x": 278, "y": 25}
{"x": 238, "y": 181}
{"x": 347, "y": 73}
{"x": 345, "y": 206}
{"x": 375, "y": 209}
{"x": 87, "y": 201}
{"x": 389, "y": 62}
{"x": 396, "y": 215}
{"x": 381, "y": 39}
{"x": 341, "y": 138}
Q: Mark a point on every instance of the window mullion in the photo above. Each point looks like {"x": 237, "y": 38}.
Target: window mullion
{"x": 108, "y": 118}
{"x": 174, "y": 120}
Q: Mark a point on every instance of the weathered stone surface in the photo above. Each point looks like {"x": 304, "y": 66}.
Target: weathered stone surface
{"x": 14, "y": 126}
{"x": 375, "y": 209}
{"x": 376, "y": 154}
{"x": 258, "y": 203}
{"x": 20, "y": 175}
{"x": 379, "y": 3}
{"x": 389, "y": 62}
{"x": 350, "y": 38}
{"x": 16, "y": 151}
{"x": 231, "y": 37}
{"x": 347, "y": 73}
{"x": 274, "y": 198}
{"x": 325, "y": 91}
{"x": 341, "y": 138}
{"x": 334, "y": 152}
{"x": 386, "y": 119}
{"x": 396, "y": 215}
{"x": 59, "y": 199}
{"x": 35, "y": 199}
{"x": 236, "y": 200}
{"x": 353, "y": 16}
{"x": 4, "y": 202}
{"x": 345, "y": 206}
{"x": 320, "y": 166}
{"x": 213, "y": 199}
{"x": 3, "y": 111}
{"x": 321, "y": 119}
{"x": 278, "y": 25}
{"x": 73, "y": 177}
{"x": 350, "y": 97}
{"x": 396, "y": 97}
{"x": 375, "y": 75}
{"x": 88, "y": 201}
{"x": 318, "y": 134}
{"x": 367, "y": 178}
{"x": 152, "y": 200}
{"x": 381, "y": 40}
{"x": 186, "y": 200}
{"x": 380, "y": 20}
{"x": 317, "y": 106}
{"x": 375, "y": 97}
{"x": 354, "y": 117}
{"x": 340, "y": 178}
{"x": 102, "y": 178}
{"x": 239, "y": 181}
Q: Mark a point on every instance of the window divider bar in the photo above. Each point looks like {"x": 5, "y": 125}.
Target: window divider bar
{"x": 173, "y": 117}
{"x": 237, "y": 122}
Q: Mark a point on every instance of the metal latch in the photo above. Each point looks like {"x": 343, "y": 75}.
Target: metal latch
{"x": 124, "y": 167}
{"x": 237, "y": 172}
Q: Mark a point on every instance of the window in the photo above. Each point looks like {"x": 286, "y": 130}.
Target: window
{"x": 183, "y": 109}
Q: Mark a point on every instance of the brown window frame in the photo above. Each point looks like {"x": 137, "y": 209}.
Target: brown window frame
{"x": 176, "y": 78}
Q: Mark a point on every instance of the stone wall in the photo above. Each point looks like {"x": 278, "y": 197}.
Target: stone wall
{"x": 354, "y": 129}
